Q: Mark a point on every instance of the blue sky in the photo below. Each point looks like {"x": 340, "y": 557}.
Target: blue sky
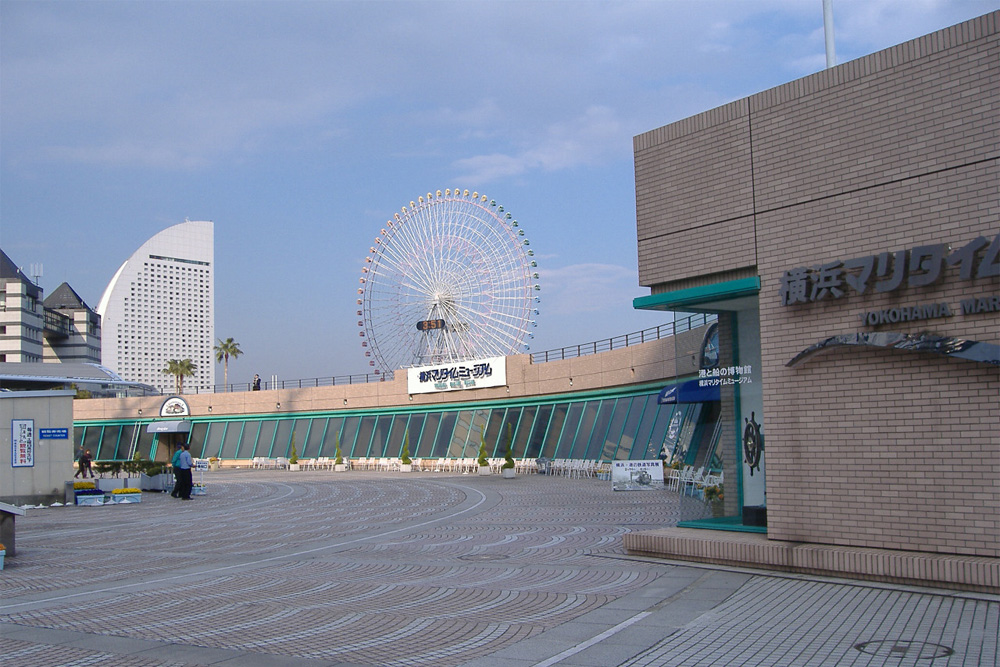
{"x": 300, "y": 127}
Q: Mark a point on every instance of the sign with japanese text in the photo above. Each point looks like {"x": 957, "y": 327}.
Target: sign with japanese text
{"x": 725, "y": 376}
{"x": 22, "y": 442}
{"x": 637, "y": 475}
{"x": 452, "y": 376}
{"x": 53, "y": 434}
{"x": 890, "y": 271}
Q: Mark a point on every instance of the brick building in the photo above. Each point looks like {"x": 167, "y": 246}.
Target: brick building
{"x": 846, "y": 228}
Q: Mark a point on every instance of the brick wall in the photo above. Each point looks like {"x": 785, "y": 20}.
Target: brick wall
{"x": 865, "y": 447}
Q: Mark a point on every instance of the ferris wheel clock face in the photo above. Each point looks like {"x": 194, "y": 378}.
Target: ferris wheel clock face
{"x": 450, "y": 277}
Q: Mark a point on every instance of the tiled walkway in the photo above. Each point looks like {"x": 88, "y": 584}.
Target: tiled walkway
{"x": 322, "y": 568}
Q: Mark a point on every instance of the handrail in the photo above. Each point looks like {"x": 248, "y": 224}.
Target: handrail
{"x": 568, "y": 352}
{"x": 618, "y": 342}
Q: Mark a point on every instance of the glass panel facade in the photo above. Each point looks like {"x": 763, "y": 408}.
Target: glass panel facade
{"x": 284, "y": 430}
{"x": 427, "y": 435}
{"x": 570, "y": 430}
{"x": 551, "y": 437}
{"x": 265, "y": 445}
{"x": 248, "y": 441}
{"x": 605, "y": 428}
{"x": 231, "y": 438}
{"x": 363, "y": 442}
{"x": 349, "y": 438}
{"x": 213, "y": 439}
{"x": 443, "y": 439}
{"x": 630, "y": 446}
{"x": 414, "y": 428}
{"x": 522, "y": 432}
{"x": 537, "y": 440}
{"x": 93, "y": 440}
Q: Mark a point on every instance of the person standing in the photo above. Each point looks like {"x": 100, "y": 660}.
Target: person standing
{"x": 175, "y": 465}
{"x": 183, "y": 473}
{"x": 84, "y": 465}
{"x": 256, "y": 382}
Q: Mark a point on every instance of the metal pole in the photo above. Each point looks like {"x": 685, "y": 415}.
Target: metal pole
{"x": 831, "y": 55}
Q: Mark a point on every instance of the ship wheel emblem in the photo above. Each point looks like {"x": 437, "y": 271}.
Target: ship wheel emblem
{"x": 753, "y": 443}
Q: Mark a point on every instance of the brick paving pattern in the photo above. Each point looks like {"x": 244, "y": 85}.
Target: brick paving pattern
{"x": 321, "y": 568}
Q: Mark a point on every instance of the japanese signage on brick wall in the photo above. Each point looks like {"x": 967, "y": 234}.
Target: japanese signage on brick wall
{"x": 22, "y": 442}
{"x": 890, "y": 272}
{"x": 452, "y": 376}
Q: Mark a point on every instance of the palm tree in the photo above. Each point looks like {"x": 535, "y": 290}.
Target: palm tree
{"x": 179, "y": 369}
{"x": 223, "y": 350}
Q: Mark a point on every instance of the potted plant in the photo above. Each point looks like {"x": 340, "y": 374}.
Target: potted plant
{"x": 405, "y": 462}
{"x": 338, "y": 462}
{"x": 715, "y": 497}
{"x": 507, "y": 469}
{"x": 293, "y": 460}
{"x": 198, "y": 489}
{"x": 484, "y": 462}
{"x": 214, "y": 463}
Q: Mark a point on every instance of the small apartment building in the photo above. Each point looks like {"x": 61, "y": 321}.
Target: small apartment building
{"x": 72, "y": 328}
{"x": 846, "y": 229}
{"x": 59, "y": 329}
{"x": 22, "y": 318}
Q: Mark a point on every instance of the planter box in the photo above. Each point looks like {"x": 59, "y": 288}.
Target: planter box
{"x": 293, "y": 466}
{"x": 485, "y": 470}
{"x": 161, "y": 482}
{"x": 405, "y": 467}
{"x": 339, "y": 467}
{"x": 109, "y": 484}
{"x": 125, "y": 498}
{"x": 84, "y": 498}
{"x": 197, "y": 490}
{"x": 508, "y": 473}
{"x": 214, "y": 465}
{"x": 2, "y": 554}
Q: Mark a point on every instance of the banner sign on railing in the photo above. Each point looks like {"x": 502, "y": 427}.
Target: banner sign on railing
{"x": 455, "y": 375}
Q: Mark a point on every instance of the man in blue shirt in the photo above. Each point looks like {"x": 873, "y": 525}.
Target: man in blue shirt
{"x": 182, "y": 472}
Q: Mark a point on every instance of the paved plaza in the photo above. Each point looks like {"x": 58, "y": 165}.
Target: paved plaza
{"x": 364, "y": 568}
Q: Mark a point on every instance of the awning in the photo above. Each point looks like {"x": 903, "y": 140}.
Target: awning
{"x": 688, "y": 392}
{"x": 180, "y": 426}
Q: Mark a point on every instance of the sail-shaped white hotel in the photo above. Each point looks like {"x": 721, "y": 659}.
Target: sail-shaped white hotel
{"x": 160, "y": 306}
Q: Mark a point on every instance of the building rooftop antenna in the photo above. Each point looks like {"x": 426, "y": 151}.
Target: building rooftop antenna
{"x": 831, "y": 52}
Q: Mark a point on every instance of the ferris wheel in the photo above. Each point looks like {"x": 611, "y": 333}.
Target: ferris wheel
{"x": 450, "y": 277}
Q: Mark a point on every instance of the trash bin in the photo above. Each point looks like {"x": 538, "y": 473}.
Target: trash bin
{"x": 544, "y": 465}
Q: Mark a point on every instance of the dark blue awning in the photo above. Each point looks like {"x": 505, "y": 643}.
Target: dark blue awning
{"x": 688, "y": 392}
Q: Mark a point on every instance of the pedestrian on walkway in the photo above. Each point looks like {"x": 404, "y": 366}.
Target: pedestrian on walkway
{"x": 175, "y": 465}
{"x": 183, "y": 474}
{"x": 84, "y": 465}
{"x": 182, "y": 464}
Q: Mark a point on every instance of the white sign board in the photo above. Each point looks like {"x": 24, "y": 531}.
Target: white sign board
{"x": 22, "y": 443}
{"x": 455, "y": 375}
{"x": 637, "y": 475}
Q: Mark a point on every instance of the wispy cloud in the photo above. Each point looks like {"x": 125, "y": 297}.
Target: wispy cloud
{"x": 585, "y": 140}
{"x": 588, "y": 288}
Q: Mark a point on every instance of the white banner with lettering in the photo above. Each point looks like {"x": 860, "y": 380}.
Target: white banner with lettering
{"x": 454, "y": 375}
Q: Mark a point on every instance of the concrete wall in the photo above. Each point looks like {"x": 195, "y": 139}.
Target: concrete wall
{"x": 53, "y": 459}
{"x": 636, "y": 364}
{"x": 869, "y": 448}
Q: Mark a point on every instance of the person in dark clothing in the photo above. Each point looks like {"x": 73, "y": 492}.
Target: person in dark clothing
{"x": 84, "y": 465}
{"x": 182, "y": 473}
{"x": 256, "y": 382}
